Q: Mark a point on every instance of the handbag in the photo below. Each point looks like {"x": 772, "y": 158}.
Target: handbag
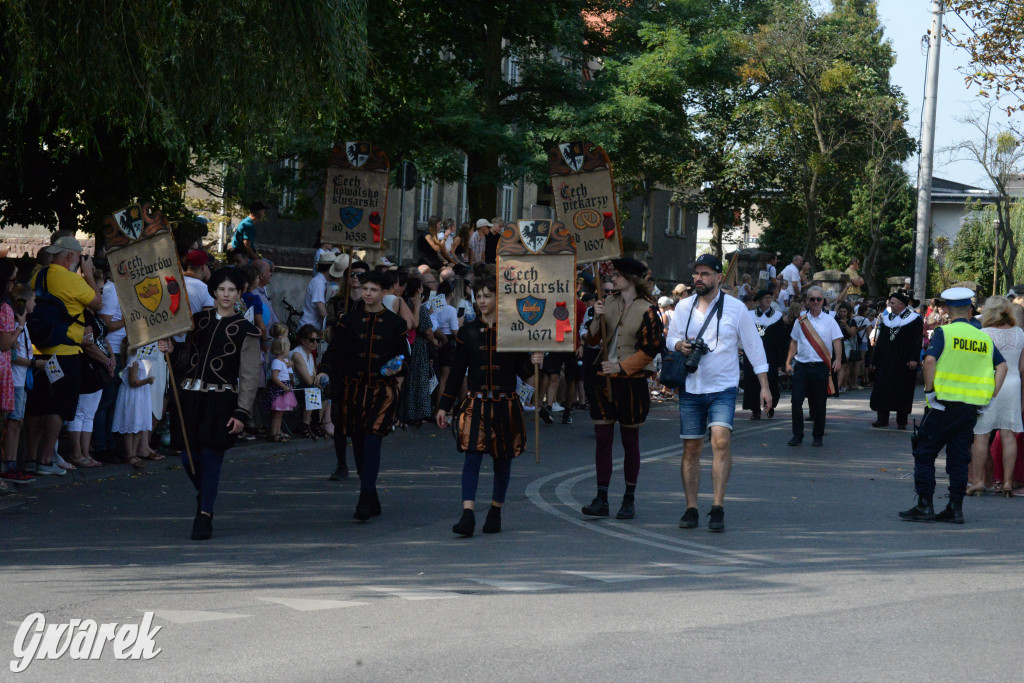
{"x": 673, "y": 363}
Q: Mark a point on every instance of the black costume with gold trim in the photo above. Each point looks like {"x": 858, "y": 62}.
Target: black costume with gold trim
{"x": 637, "y": 333}
{"x": 775, "y": 338}
{"x": 490, "y": 418}
{"x": 363, "y": 400}
{"x": 218, "y": 372}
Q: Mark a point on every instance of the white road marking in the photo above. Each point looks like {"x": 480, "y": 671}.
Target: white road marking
{"x": 183, "y": 617}
{"x": 518, "y": 586}
{"x": 414, "y": 593}
{"x": 697, "y": 568}
{"x": 311, "y": 605}
{"x": 604, "y": 577}
{"x": 938, "y": 552}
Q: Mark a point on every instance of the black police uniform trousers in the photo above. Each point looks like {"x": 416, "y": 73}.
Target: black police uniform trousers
{"x": 954, "y": 429}
{"x": 810, "y": 381}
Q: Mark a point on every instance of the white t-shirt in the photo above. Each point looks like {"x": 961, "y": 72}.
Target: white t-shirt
{"x": 23, "y": 349}
{"x": 315, "y": 293}
{"x": 791, "y": 274}
{"x": 826, "y": 327}
{"x": 445, "y": 320}
{"x": 112, "y": 308}
{"x": 284, "y": 373}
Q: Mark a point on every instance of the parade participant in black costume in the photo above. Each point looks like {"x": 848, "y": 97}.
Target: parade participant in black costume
{"x": 490, "y": 418}
{"x": 775, "y": 338}
{"x": 895, "y": 360}
{"x": 628, "y": 327}
{"x": 217, "y": 368}
{"x": 365, "y": 401}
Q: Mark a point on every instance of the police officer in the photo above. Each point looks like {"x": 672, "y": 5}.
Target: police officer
{"x": 958, "y": 380}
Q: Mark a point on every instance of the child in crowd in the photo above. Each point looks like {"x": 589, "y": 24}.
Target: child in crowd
{"x": 133, "y": 413}
{"x": 21, "y": 362}
{"x": 282, "y": 398}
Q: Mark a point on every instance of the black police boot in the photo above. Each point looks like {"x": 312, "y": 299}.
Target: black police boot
{"x": 953, "y": 514}
{"x": 628, "y": 508}
{"x": 922, "y": 512}
{"x": 466, "y": 524}
{"x": 492, "y": 523}
{"x": 597, "y": 508}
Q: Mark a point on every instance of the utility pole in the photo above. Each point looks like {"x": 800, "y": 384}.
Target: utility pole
{"x": 924, "y": 175}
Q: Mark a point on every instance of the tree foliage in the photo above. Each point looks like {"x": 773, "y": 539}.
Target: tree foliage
{"x": 994, "y": 38}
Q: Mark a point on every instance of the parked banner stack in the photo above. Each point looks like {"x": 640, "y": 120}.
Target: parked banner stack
{"x": 146, "y": 273}
{"x": 356, "y": 196}
{"x": 584, "y": 199}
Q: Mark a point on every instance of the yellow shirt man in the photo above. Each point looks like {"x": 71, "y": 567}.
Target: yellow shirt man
{"x": 75, "y": 292}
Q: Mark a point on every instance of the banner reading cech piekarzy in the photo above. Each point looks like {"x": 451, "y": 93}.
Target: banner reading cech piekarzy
{"x": 356, "y": 196}
{"x": 584, "y": 199}
{"x": 147, "y": 276}
{"x": 536, "y": 271}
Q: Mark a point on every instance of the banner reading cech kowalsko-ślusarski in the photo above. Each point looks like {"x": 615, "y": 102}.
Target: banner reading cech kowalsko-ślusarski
{"x": 355, "y": 196}
{"x": 147, "y": 276}
{"x": 584, "y": 199}
{"x": 536, "y": 271}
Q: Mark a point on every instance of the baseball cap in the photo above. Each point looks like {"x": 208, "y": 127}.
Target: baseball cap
{"x": 197, "y": 258}
{"x": 482, "y": 222}
{"x": 65, "y": 243}
{"x": 709, "y": 260}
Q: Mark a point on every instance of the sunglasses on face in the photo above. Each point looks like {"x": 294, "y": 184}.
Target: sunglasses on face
{"x": 312, "y": 339}
{"x": 814, "y": 298}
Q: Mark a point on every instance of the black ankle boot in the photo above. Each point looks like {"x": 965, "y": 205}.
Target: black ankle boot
{"x": 202, "y": 527}
{"x": 953, "y": 514}
{"x": 466, "y": 524}
{"x": 492, "y": 524}
{"x": 628, "y": 508}
{"x": 597, "y": 508}
{"x": 922, "y": 512}
{"x": 363, "y": 509}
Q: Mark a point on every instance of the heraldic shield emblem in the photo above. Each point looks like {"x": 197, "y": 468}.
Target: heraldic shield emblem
{"x": 572, "y": 152}
{"x": 350, "y": 216}
{"x": 531, "y": 309}
{"x": 129, "y": 222}
{"x": 357, "y": 152}
{"x": 535, "y": 233}
{"x": 150, "y": 293}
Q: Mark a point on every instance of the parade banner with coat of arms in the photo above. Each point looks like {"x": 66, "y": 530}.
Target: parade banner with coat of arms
{"x": 584, "y": 199}
{"x": 146, "y": 273}
{"x": 536, "y": 296}
{"x": 356, "y": 196}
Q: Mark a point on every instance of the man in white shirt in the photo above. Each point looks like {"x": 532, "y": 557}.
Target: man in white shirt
{"x": 197, "y": 272}
{"x": 708, "y": 397}
{"x": 791, "y": 274}
{"x": 314, "y": 305}
{"x": 811, "y": 373}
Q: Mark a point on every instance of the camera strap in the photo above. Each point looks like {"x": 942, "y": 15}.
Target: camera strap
{"x": 716, "y": 311}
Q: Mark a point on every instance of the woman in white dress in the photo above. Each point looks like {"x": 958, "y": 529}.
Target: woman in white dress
{"x": 1004, "y": 412}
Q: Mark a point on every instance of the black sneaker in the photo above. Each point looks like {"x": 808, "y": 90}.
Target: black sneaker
{"x": 545, "y": 414}
{"x": 597, "y": 508}
{"x": 492, "y": 523}
{"x": 717, "y": 521}
{"x": 202, "y": 527}
{"x": 566, "y": 418}
{"x": 953, "y": 514}
{"x": 922, "y": 512}
{"x": 817, "y": 442}
{"x": 689, "y": 519}
{"x": 466, "y": 524}
{"x": 628, "y": 508}
{"x": 340, "y": 474}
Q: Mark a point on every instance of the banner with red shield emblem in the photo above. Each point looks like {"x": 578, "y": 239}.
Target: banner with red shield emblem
{"x": 146, "y": 274}
{"x": 356, "y": 196}
{"x": 536, "y": 296}
{"x": 584, "y": 199}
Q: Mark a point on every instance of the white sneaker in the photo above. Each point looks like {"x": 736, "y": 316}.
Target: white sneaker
{"x": 556, "y": 407}
{"x": 529, "y": 408}
{"x": 50, "y": 469}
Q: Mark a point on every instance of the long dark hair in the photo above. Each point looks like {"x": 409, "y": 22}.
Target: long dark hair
{"x": 8, "y": 269}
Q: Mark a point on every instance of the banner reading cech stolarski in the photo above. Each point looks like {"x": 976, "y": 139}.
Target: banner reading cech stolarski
{"x": 147, "y": 276}
{"x": 356, "y": 196}
{"x": 536, "y": 297}
{"x": 584, "y": 199}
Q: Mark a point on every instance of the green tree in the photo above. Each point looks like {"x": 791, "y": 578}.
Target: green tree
{"x": 995, "y": 41}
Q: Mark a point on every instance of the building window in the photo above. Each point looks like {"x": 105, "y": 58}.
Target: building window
{"x": 426, "y": 201}
{"x": 512, "y": 69}
{"x": 508, "y": 198}
{"x": 289, "y": 177}
{"x": 676, "y": 220}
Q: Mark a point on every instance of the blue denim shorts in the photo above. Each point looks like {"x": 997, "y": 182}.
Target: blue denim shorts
{"x": 697, "y": 412}
{"x": 20, "y": 396}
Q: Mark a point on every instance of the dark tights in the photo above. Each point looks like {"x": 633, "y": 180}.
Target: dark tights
{"x": 206, "y": 478}
{"x": 630, "y": 437}
{"x": 471, "y": 476}
{"x": 366, "y": 453}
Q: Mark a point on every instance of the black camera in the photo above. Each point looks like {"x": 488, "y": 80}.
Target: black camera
{"x": 698, "y": 347}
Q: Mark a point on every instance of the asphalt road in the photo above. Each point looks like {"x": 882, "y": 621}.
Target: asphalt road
{"x": 814, "y": 579}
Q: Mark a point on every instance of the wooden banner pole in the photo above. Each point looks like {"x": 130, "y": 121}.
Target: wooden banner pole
{"x": 348, "y": 276}
{"x": 177, "y": 405}
{"x": 536, "y": 411}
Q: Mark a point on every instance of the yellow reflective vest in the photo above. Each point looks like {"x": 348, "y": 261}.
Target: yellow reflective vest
{"x": 963, "y": 371}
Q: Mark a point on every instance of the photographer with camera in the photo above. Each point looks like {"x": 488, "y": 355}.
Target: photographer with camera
{"x": 708, "y": 328}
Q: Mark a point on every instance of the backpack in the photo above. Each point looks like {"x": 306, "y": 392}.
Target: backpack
{"x": 48, "y": 324}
